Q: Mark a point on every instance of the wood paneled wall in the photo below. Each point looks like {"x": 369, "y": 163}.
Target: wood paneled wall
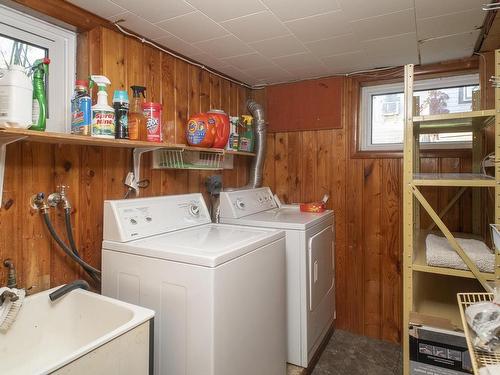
{"x": 366, "y": 195}
{"x": 94, "y": 174}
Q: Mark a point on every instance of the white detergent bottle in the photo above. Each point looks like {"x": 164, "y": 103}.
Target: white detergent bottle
{"x": 16, "y": 96}
{"x": 103, "y": 115}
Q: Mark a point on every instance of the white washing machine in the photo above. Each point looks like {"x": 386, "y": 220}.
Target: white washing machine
{"x": 218, "y": 290}
{"x": 309, "y": 263}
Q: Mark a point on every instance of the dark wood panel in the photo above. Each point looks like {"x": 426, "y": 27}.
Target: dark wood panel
{"x": 306, "y": 105}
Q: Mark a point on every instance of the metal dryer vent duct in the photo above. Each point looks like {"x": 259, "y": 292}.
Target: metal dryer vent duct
{"x": 260, "y": 129}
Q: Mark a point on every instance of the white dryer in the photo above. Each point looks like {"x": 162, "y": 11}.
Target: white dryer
{"x": 309, "y": 263}
{"x": 218, "y": 290}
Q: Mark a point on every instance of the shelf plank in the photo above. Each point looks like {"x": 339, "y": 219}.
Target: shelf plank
{"x": 453, "y": 179}
{"x": 453, "y": 122}
{"x": 72, "y": 139}
{"x": 420, "y": 261}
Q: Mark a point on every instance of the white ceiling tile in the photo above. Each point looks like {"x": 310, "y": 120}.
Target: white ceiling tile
{"x": 280, "y": 46}
{"x": 300, "y": 9}
{"x": 385, "y": 25}
{"x": 104, "y": 8}
{"x": 223, "y": 10}
{"x": 448, "y": 24}
{"x": 236, "y": 73}
{"x": 345, "y": 62}
{"x": 156, "y": 10}
{"x": 248, "y": 61}
{"x": 139, "y": 25}
{"x": 210, "y": 61}
{"x": 193, "y": 27}
{"x": 256, "y": 27}
{"x": 392, "y": 51}
{"x": 298, "y": 62}
{"x": 269, "y": 73}
{"x": 178, "y": 45}
{"x": 323, "y": 26}
{"x": 433, "y": 8}
{"x": 225, "y": 46}
{"x": 339, "y": 44}
{"x": 359, "y": 9}
{"x": 448, "y": 48}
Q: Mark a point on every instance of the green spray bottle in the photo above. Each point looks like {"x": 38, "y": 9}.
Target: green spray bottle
{"x": 40, "y": 69}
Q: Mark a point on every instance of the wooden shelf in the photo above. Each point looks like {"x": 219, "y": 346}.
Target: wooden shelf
{"x": 420, "y": 261}
{"x": 436, "y": 295}
{"x": 453, "y": 122}
{"x": 453, "y": 179}
{"x": 72, "y": 139}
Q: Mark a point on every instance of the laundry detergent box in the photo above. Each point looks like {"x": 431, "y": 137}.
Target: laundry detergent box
{"x": 437, "y": 347}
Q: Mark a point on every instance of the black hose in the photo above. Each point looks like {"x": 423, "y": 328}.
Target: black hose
{"x": 69, "y": 231}
{"x": 77, "y": 284}
{"x": 94, "y": 273}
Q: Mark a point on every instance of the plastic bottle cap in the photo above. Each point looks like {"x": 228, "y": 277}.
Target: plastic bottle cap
{"x": 120, "y": 96}
{"x": 81, "y": 82}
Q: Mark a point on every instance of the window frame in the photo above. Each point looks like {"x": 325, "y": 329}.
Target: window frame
{"x": 61, "y": 46}
{"x": 365, "y": 111}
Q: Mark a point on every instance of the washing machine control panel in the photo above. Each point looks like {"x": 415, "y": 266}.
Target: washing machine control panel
{"x": 240, "y": 203}
{"x": 125, "y": 220}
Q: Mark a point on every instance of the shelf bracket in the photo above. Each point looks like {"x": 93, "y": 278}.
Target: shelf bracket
{"x": 136, "y": 174}
{"x": 4, "y": 141}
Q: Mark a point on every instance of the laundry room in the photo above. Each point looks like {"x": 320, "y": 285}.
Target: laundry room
{"x": 250, "y": 187}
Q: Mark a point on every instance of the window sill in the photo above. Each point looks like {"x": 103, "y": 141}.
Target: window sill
{"x": 398, "y": 154}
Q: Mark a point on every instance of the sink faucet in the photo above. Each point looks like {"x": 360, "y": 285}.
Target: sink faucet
{"x": 77, "y": 284}
{"x": 11, "y": 273}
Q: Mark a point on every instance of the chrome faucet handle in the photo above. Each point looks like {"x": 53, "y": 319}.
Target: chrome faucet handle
{"x": 62, "y": 189}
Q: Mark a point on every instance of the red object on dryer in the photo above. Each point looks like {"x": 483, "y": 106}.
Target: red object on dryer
{"x": 200, "y": 132}
{"x": 313, "y": 207}
{"x": 222, "y": 127}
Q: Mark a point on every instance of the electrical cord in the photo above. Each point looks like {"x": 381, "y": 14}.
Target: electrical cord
{"x": 94, "y": 273}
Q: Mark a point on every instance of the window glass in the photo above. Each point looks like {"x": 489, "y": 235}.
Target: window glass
{"x": 383, "y": 113}
{"x": 17, "y": 52}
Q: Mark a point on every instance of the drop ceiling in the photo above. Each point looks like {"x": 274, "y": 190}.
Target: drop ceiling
{"x": 270, "y": 41}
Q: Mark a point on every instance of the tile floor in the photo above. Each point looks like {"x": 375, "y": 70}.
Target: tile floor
{"x": 348, "y": 354}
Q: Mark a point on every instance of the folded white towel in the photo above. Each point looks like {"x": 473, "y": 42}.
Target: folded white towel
{"x": 440, "y": 253}
{"x": 490, "y": 370}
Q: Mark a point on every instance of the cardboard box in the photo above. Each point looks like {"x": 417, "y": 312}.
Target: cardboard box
{"x": 437, "y": 347}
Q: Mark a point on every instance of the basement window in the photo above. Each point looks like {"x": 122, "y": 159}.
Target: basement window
{"x": 24, "y": 39}
{"x": 382, "y": 112}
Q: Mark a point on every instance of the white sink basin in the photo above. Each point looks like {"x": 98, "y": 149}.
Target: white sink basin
{"x": 48, "y": 335}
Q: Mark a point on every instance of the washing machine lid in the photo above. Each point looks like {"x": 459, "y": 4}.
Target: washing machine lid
{"x": 286, "y": 217}
{"x": 207, "y": 245}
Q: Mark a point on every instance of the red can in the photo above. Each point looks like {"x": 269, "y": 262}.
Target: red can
{"x": 222, "y": 127}
{"x": 152, "y": 112}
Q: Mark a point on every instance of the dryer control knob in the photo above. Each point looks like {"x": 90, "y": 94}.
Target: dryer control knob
{"x": 240, "y": 204}
{"x": 194, "y": 210}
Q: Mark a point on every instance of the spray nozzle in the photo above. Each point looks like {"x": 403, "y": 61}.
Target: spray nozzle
{"x": 41, "y": 67}
{"x": 138, "y": 91}
{"x": 100, "y": 81}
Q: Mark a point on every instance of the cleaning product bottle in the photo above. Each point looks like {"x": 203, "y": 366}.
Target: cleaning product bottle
{"x": 246, "y": 134}
{"x": 40, "y": 69}
{"x": 120, "y": 104}
{"x": 16, "y": 97}
{"x": 137, "y": 129}
{"x": 103, "y": 115}
{"x": 81, "y": 109}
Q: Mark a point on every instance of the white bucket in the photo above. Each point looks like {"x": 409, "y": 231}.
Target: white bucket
{"x": 16, "y": 98}
{"x": 495, "y": 234}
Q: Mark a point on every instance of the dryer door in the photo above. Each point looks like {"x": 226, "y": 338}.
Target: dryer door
{"x": 320, "y": 266}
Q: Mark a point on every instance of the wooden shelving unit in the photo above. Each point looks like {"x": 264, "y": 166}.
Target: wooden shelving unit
{"x": 72, "y": 139}
{"x": 432, "y": 290}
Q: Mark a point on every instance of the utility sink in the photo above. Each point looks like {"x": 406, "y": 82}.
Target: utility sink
{"x": 80, "y": 333}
